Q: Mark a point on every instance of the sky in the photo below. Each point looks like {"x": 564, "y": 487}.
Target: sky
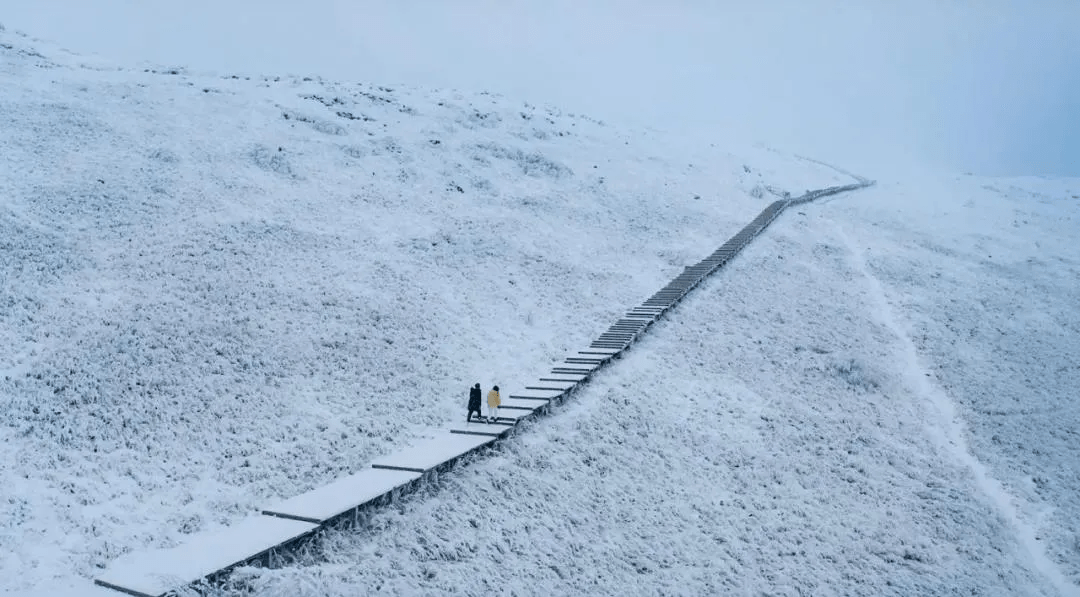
{"x": 989, "y": 87}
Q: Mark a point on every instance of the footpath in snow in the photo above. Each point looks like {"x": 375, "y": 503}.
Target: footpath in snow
{"x": 256, "y": 539}
{"x": 228, "y": 294}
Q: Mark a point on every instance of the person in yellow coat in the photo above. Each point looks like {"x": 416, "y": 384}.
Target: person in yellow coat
{"x": 493, "y": 402}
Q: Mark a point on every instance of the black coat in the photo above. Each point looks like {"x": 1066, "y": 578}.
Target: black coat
{"x": 474, "y": 398}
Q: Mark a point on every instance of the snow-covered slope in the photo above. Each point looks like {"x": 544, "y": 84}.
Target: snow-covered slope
{"x": 812, "y": 421}
{"x": 222, "y": 291}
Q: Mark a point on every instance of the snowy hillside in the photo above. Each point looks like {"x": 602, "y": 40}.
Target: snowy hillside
{"x": 221, "y": 291}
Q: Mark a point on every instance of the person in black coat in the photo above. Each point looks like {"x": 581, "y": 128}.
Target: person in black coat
{"x": 474, "y": 403}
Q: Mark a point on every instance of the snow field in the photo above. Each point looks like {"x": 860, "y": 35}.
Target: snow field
{"x": 220, "y": 293}
{"x": 763, "y": 438}
{"x": 991, "y": 308}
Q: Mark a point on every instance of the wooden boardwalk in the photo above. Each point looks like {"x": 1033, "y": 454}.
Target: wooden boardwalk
{"x": 258, "y": 539}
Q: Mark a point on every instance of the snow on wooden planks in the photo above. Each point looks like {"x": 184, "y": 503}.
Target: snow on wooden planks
{"x": 492, "y": 429}
{"x": 156, "y": 572}
{"x": 343, "y": 495}
{"x": 526, "y": 405}
{"x": 441, "y": 447}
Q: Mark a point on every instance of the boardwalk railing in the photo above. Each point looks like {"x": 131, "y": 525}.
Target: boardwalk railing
{"x": 261, "y": 539}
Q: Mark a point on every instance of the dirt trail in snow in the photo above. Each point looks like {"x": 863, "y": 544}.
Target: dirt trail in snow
{"x": 949, "y": 429}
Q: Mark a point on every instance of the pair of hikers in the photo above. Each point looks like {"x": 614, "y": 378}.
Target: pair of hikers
{"x": 493, "y": 402}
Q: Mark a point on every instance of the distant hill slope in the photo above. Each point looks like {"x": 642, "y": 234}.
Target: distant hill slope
{"x": 220, "y": 291}
{"x": 223, "y": 290}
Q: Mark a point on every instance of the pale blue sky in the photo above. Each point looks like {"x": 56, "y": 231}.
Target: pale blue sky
{"x": 990, "y": 87}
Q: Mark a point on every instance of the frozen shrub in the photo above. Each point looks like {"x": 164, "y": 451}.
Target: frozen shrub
{"x": 164, "y": 155}
{"x": 322, "y": 126}
{"x": 853, "y": 372}
{"x": 485, "y": 119}
{"x": 354, "y": 151}
{"x": 532, "y": 164}
{"x": 271, "y": 161}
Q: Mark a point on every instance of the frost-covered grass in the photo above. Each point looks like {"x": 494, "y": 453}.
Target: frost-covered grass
{"x": 766, "y": 438}
{"x": 223, "y": 291}
{"x": 987, "y": 284}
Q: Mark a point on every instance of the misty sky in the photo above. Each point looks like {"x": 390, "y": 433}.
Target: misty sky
{"x": 989, "y": 87}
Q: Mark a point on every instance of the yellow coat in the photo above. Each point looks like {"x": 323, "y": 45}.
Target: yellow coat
{"x": 493, "y": 399}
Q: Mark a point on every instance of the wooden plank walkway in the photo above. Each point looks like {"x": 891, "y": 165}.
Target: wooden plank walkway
{"x": 441, "y": 448}
{"x": 343, "y": 496}
{"x": 209, "y": 556}
{"x": 156, "y": 572}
